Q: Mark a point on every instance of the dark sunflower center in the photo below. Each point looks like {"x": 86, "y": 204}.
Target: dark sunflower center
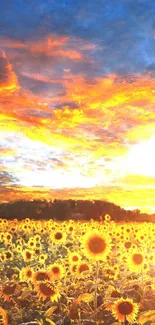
{"x": 47, "y": 289}
{"x": 115, "y": 294}
{"x": 55, "y": 269}
{"x": 97, "y": 245}
{"x": 127, "y": 244}
{"x": 58, "y": 235}
{"x": 29, "y": 273}
{"x": 137, "y": 258}
{"x": 83, "y": 267}
{"x": 9, "y": 290}
{"x": 41, "y": 276}
{"x": 75, "y": 258}
{"x": 125, "y": 308}
{"x": 8, "y": 254}
{"x": 28, "y": 254}
{"x": 42, "y": 257}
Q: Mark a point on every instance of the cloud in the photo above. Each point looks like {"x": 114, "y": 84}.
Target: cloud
{"x": 43, "y": 65}
{"x": 7, "y": 179}
{"x": 50, "y": 46}
{"x": 137, "y": 182}
{"x": 4, "y": 152}
{"x": 8, "y": 79}
{"x": 107, "y": 111}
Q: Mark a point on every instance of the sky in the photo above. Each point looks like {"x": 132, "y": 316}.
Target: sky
{"x": 77, "y": 101}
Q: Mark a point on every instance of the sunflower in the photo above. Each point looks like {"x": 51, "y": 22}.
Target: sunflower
{"x": 37, "y": 251}
{"x": 31, "y": 243}
{"x": 96, "y": 246}
{"x": 27, "y": 255}
{"x": 42, "y": 258}
{"x": 56, "y": 271}
{"x": 107, "y": 217}
{"x": 70, "y": 228}
{"x": 127, "y": 244}
{"x": 37, "y": 238}
{"x": 18, "y": 249}
{"x": 3, "y": 317}
{"x": 5, "y": 221}
{"x": 42, "y": 231}
{"x": 26, "y": 273}
{"x": 40, "y": 276}
{"x": 83, "y": 268}
{"x": 58, "y": 237}
{"x": 136, "y": 261}
{"x": 3, "y": 257}
{"x": 8, "y": 290}
{"x": 47, "y": 290}
{"x": 2, "y": 237}
{"x": 125, "y": 309}
{"x": 13, "y": 229}
{"x": 27, "y": 220}
{"x": 141, "y": 236}
{"x": 25, "y": 228}
{"x": 8, "y": 238}
{"x": 74, "y": 258}
{"x": 73, "y": 268}
{"x": 9, "y": 255}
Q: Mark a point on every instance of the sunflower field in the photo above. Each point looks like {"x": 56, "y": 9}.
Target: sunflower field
{"x": 74, "y": 272}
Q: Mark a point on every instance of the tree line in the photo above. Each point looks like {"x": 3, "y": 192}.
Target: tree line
{"x": 70, "y": 209}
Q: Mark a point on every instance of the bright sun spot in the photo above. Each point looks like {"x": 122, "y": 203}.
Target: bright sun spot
{"x": 57, "y": 179}
{"x": 141, "y": 158}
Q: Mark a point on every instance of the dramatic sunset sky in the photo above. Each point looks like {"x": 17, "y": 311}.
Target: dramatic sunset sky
{"x": 77, "y": 101}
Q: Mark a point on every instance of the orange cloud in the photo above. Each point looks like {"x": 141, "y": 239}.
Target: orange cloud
{"x": 96, "y": 119}
{"x": 111, "y": 104}
{"x": 51, "y": 46}
{"x": 107, "y": 103}
{"x": 8, "y": 79}
{"x": 7, "y": 152}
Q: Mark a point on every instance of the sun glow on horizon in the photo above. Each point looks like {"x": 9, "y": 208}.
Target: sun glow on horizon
{"x": 141, "y": 158}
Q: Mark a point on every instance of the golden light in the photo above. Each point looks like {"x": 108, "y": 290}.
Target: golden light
{"x": 140, "y": 159}
{"x": 56, "y": 179}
